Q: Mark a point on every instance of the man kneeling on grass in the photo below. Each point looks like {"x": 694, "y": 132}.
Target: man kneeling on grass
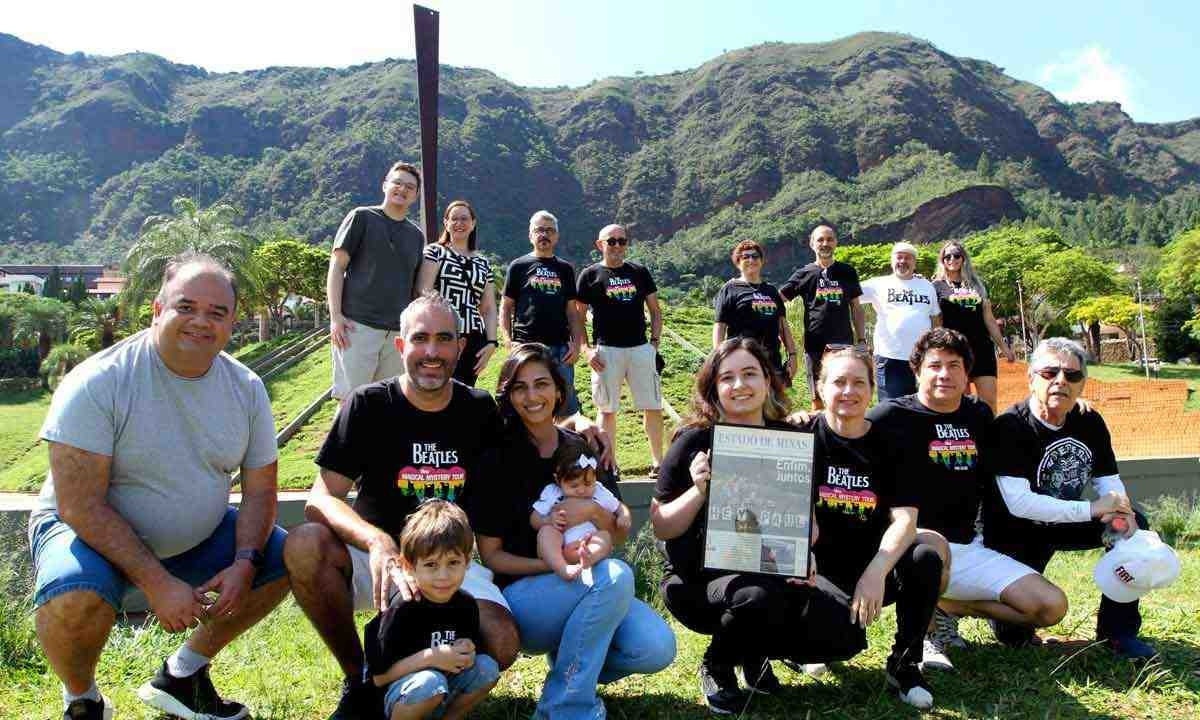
{"x": 422, "y": 652}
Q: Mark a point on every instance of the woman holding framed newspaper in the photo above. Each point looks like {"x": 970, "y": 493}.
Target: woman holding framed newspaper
{"x": 868, "y": 520}
{"x": 751, "y": 617}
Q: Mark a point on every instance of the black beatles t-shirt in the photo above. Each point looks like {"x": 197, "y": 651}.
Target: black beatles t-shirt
{"x": 513, "y": 478}
{"x": 685, "y": 554}
{"x": 751, "y": 310}
{"x": 407, "y": 628}
{"x": 541, "y": 288}
{"x": 400, "y": 455}
{"x": 854, "y": 491}
{"x": 616, "y": 296}
{"x": 827, "y": 293}
{"x": 962, "y": 310}
{"x": 1060, "y": 463}
{"x": 938, "y": 456}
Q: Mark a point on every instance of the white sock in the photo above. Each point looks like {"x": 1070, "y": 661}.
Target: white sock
{"x": 92, "y": 693}
{"x": 185, "y": 662}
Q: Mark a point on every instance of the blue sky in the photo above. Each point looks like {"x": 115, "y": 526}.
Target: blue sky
{"x": 1143, "y": 55}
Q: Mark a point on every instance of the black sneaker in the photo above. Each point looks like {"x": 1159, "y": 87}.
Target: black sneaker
{"x": 189, "y": 698}
{"x": 909, "y": 683}
{"x": 359, "y": 701}
{"x": 759, "y": 676}
{"x": 84, "y": 709}
{"x": 719, "y": 686}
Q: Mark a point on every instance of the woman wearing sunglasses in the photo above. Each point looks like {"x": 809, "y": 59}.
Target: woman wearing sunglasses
{"x": 747, "y": 306}
{"x": 965, "y": 308}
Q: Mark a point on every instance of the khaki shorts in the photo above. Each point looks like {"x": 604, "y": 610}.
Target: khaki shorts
{"x": 372, "y": 356}
{"x": 478, "y": 583}
{"x": 635, "y": 364}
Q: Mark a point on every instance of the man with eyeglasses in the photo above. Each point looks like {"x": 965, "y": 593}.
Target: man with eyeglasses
{"x": 372, "y": 272}
{"x": 1046, "y": 453}
{"x": 537, "y": 306}
{"x": 905, "y": 307}
{"x": 833, "y": 315}
{"x": 618, "y": 292}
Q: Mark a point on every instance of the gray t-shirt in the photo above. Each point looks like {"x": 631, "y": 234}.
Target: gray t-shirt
{"x": 385, "y": 255}
{"x": 175, "y": 442}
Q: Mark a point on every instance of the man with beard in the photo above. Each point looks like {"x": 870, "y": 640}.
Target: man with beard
{"x": 905, "y": 307}
{"x": 400, "y": 441}
{"x": 830, "y": 290}
{"x": 1047, "y": 452}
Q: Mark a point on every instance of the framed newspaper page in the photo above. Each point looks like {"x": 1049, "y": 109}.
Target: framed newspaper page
{"x": 759, "y": 501}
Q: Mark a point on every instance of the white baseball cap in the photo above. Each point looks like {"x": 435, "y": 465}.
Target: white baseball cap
{"x": 1135, "y": 566}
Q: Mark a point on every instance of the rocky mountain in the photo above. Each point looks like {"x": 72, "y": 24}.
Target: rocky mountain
{"x": 882, "y": 133}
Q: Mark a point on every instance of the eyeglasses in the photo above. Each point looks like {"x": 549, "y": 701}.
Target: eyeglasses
{"x": 752, "y": 255}
{"x": 543, "y": 230}
{"x": 952, "y": 256}
{"x": 614, "y": 241}
{"x": 1051, "y": 372}
{"x": 403, "y": 184}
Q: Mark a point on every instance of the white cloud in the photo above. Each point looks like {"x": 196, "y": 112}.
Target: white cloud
{"x": 1089, "y": 75}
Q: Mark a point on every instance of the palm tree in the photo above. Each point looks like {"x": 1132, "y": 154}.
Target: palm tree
{"x": 211, "y": 231}
{"x": 45, "y": 319}
{"x": 96, "y": 322}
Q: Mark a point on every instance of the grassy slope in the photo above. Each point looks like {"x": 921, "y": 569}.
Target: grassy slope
{"x": 282, "y": 670}
{"x": 23, "y": 460}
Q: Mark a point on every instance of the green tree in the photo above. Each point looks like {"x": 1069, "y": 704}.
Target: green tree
{"x": 77, "y": 291}
{"x": 1180, "y": 275}
{"x": 53, "y": 287}
{"x": 212, "y": 231}
{"x": 42, "y": 321}
{"x": 95, "y": 323}
{"x": 289, "y": 268}
{"x": 1118, "y": 310}
{"x": 61, "y": 360}
{"x": 983, "y": 168}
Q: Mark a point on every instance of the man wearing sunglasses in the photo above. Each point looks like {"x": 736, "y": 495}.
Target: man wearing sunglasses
{"x": 1047, "y": 453}
{"x": 617, "y": 291}
{"x": 830, "y": 290}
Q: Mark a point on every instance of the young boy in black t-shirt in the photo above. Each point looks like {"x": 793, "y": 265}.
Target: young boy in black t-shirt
{"x": 423, "y": 651}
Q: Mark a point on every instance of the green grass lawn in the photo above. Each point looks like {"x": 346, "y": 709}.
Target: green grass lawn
{"x": 281, "y": 669}
{"x": 1170, "y": 371}
{"x": 23, "y": 459}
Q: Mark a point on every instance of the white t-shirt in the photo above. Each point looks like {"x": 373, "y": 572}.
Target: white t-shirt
{"x": 550, "y": 496}
{"x": 903, "y": 309}
{"x": 175, "y": 442}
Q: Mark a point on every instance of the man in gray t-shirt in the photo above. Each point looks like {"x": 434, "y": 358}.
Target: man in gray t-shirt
{"x": 144, "y": 439}
{"x": 372, "y": 271}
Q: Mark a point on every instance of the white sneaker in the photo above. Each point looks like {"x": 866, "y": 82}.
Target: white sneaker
{"x": 813, "y": 670}
{"x": 933, "y": 655}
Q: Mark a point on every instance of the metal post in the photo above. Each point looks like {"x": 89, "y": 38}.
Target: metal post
{"x": 425, "y": 28}
{"x": 1024, "y": 332}
{"x": 1142, "y": 322}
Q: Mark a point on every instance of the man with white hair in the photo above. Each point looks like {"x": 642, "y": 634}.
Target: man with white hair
{"x": 1046, "y": 453}
{"x": 905, "y": 307}
{"x": 537, "y": 307}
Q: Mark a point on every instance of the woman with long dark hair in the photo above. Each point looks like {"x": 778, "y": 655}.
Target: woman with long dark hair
{"x": 454, "y": 267}
{"x": 592, "y": 626}
{"x": 966, "y": 308}
{"x": 751, "y": 617}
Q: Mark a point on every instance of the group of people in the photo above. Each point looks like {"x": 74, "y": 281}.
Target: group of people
{"x": 482, "y": 526}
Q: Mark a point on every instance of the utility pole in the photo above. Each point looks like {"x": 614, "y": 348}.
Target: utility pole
{"x": 425, "y": 30}
{"x": 1024, "y": 332}
{"x": 1142, "y": 323}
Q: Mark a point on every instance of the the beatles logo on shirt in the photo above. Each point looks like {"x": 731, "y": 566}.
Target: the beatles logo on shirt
{"x": 545, "y": 281}
{"x": 621, "y": 289}
{"x": 965, "y": 297}
{"x": 846, "y": 493}
{"x": 762, "y": 304}
{"x": 954, "y": 449}
{"x": 907, "y": 297}
{"x": 1065, "y": 469}
{"x": 434, "y": 473}
{"x": 437, "y": 638}
{"x": 829, "y": 291}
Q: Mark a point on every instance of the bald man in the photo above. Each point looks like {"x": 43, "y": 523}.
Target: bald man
{"x": 618, "y": 292}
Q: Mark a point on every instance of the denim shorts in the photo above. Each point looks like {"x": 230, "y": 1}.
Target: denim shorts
{"x": 419, "y": 686}
{"x": 64, "y": 563}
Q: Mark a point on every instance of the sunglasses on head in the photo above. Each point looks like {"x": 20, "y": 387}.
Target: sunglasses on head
{"x": 614, "y": 241}
{"x": 953, "y": 256}
{"x": 751, "y": 255}
{"x": 1051, "y": 371}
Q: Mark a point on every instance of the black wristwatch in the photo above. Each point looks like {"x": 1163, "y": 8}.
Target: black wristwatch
{"x": 256, "y": 558}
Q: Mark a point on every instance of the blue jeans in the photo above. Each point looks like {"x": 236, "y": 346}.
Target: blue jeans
{"x": 594, "y": 632}
{"x": 571, "y": 402}
{"x": 417, "y": 687}
{"x": 893, "y": 378}
{"x": 64, "y": 563}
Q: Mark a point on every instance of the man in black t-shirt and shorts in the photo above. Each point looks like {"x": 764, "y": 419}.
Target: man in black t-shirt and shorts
{"x": 830, "y": 291}
{"x": 617, "y": 291}
{"x": 537, "y": 304}
{"x": 1047, "y": 452}
{"x": 372, "y": 271}
{"x": 399, "y": 441}
{"x": 940, "y": 437}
